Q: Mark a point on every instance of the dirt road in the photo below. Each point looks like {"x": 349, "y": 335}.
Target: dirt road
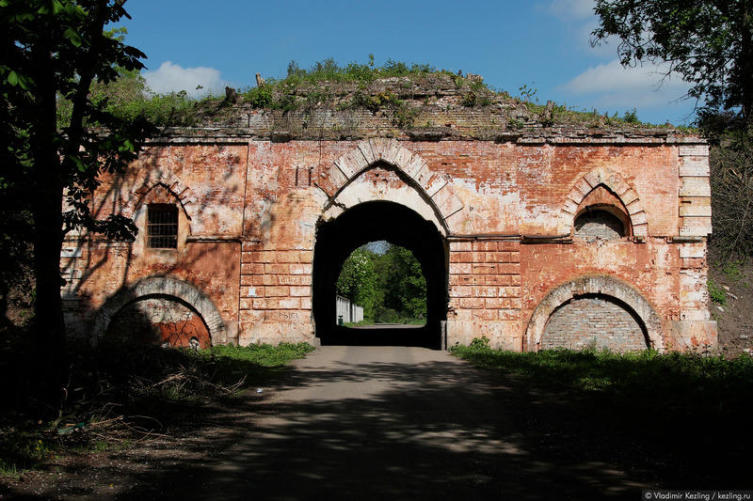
{"x": 364, "y": 423}
{"x": 379, "y": 423}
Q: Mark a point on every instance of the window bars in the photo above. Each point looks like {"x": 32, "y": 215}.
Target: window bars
{"x": 162, "y": 226}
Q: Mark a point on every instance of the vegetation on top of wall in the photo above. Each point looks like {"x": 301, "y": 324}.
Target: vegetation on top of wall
{"x": 128, "y": 98}
{"x": 398, "y": 91}
{"x": 329, "y": 71}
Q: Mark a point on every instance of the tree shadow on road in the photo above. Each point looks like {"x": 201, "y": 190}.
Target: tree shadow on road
{"x": 439, "y": 429}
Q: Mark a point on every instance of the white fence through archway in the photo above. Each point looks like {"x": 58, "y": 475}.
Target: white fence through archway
{"x": 347, "y": 311}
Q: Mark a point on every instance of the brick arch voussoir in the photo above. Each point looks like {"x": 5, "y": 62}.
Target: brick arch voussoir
{"x": 435, "y": 187}
{"x": 594, "y": 284}
{"x": 163, "y": 287}
{"x": 615, "y": 183}
{"x": 183, "y": 194}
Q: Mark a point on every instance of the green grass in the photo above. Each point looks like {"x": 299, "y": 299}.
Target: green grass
{"x": 717, "y": 294}
{"x": 400, "y": 320}
{"x": 683, "y": 382}
{"x": 733, "y": 271}
{"x": 264, "y": 355}
{"x": 328, "y": 70}
{"x": 115, "y": 389}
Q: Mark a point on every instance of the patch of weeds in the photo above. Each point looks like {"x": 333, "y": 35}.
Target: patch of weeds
{"x": 526, "y": 92}
{"x": 631, "y": 117}
{"x": 21, "y": 450}
{"x": 373, "y": 103}
{"x": 286, "y": 103}
{"x": 316, "y": 98}
{"x": 264, "y": 355}
{"x": 733, "y": 271}
{"x": 469, "y": 99}
{"x": 404, "y": 116}
{"x": 479, "y": 344}
{"x": 717, "y": 294}
{"x": 9, "y": 470}
{"x": 515, "y": 124}
{"x": 259, "y": 97}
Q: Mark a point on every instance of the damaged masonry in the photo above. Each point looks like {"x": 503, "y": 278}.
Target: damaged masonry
{"x": 534, "y": 234}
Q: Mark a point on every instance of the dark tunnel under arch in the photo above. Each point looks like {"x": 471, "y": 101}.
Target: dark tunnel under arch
{"x": 399, "y": 225}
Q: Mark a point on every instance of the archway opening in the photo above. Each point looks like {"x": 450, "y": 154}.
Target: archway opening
{"x": 398, "y": 226}
{"x": 381, "y": 285}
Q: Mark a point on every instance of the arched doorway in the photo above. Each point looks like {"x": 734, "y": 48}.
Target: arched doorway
{"x": 395, "y": 223}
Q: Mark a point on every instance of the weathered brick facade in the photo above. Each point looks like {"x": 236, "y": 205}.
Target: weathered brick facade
{"x": 502, "y": 208}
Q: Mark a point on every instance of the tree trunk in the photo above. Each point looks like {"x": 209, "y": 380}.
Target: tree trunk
{"x": 48, "y": 229}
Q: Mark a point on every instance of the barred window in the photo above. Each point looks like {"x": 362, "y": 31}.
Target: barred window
{"x": 162, "y": 226}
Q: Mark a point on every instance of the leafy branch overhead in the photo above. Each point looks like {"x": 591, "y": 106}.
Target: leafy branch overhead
{"x": 709, "y": 43}
{"x": 58, "y": 138}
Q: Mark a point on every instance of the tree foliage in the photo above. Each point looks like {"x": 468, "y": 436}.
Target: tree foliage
{"x": 390, "y": 286}
{"x": 53, "y": 53}
{"x": 732, "y": 195}
{"x": 708, "y": 42}
{"x": 358, "y": 280}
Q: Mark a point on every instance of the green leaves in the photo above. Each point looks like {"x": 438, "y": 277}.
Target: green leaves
{"x": 389, "y": 285}
{"x": 72, "y": 37}
{"x": 709, "y": 43}
{"x": 12, "y": 78}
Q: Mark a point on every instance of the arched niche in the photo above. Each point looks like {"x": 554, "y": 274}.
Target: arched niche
{"x": 602, "y": 216}
{"x": 598, "y": 285}
{"x": 164, "y": 287}
{"x": 613, "y": 183}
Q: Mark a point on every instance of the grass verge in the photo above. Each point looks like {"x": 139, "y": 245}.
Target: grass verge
{"x": 692, "y": 389}
{"x": 118, "y": 394}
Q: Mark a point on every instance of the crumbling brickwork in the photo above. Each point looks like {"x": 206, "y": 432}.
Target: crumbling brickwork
{"x": 502, "y": 207}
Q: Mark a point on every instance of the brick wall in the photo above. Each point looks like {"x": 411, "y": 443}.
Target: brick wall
{"x": 159, "y": 320}
{"x": 275, "y": 302}
{"x": 593, "y": 322}
{"x": 598, "y": 225}
{"x": 250, "y": 209}
{"x": 485, "y": 291}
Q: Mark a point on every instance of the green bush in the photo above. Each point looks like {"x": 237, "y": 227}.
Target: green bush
{"x": 717, "y": 294}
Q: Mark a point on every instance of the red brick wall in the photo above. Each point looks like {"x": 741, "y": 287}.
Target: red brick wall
{"x": 249, "y": 212}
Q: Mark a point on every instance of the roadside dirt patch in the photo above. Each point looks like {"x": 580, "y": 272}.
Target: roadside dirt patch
{"x": 733, "y": 307}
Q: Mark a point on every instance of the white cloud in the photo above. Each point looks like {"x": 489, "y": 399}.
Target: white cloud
{"x": 171, "y": 77}
{"x": 572, "y": 9}
{"x": 579, "y": 18}
{"x": 611, "y": 84}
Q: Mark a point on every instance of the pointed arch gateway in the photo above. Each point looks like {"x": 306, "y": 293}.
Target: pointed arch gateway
{"x": 380, "y": 190}
{"x": 433, "y": 189}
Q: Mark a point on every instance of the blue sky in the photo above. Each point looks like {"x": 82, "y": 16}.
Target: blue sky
{"x": 543, "y": 44}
